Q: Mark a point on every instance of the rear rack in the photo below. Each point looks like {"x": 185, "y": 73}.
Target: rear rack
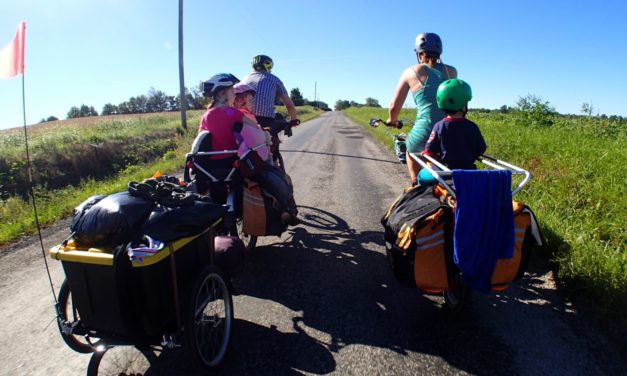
{"x": 442, "y": 172}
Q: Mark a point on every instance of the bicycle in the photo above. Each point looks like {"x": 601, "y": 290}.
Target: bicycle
{"x": 280, "y": 125}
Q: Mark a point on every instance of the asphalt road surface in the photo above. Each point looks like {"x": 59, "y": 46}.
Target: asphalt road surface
{"x": 321, "y": 299}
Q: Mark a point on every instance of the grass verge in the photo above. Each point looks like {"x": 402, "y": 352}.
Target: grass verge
{"x": 16, "y": 214}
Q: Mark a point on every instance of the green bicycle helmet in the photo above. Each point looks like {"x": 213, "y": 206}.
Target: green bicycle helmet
{"x": 453, "y": 94}
{"x": 262, "y": 63}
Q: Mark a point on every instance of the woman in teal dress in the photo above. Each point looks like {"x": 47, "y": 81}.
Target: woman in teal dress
{"x": 423, "y": 80}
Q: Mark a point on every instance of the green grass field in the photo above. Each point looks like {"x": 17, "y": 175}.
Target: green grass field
{"x": 579, "y": 169}
{"x": 52, "y": 145}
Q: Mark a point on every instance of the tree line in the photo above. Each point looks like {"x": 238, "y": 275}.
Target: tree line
{"x": 158, "y": 101}
{"x": 297, "y": 98}
{"x": 343, "y": 104}
{"x": 153, "y": 101}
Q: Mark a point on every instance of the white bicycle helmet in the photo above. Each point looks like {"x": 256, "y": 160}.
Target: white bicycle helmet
{"x": 220, "y": 80}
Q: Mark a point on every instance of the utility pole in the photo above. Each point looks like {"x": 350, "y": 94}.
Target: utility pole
{"x": 315, "y": 94}
{"x": 183, "y": 101}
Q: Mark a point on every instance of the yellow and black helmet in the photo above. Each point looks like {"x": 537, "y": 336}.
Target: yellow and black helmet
{"x": 262, "y": 63}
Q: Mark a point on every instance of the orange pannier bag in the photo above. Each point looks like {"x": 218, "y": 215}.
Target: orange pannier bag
{"x": 508, "y": 270}
{"x": 430, "y": 272}
{"x": 254, "y": 209}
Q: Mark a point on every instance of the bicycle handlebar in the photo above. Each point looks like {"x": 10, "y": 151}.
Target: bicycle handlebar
{"x": 284, "y": 125}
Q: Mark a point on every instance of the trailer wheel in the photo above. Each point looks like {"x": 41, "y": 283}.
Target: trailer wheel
{"x": 68, "y": 319}
{"x": 209, "y": 319}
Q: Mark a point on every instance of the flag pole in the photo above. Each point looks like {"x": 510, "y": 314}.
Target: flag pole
{"x": 183, "y": 101}
{"x": 32, "y": 192}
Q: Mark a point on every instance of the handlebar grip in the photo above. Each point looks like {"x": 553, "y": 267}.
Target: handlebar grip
{"x": 295, "y": 122}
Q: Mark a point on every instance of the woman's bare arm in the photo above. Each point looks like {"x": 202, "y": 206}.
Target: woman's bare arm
{"x": 399, "y": 97}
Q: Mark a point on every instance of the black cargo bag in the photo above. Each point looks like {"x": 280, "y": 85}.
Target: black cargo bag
{"x": 105, "y": 222}
{"x": 401, "y": 222}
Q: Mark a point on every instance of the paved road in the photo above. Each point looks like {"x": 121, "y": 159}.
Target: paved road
{"x": 321, "y": 299}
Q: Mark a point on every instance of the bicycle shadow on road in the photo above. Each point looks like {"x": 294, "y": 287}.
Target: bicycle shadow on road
{"x": 342, "y": 283}
{"x": 338, "y": 283}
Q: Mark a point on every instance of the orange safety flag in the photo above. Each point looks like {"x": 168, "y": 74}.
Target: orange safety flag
{"x": 12, "y": 56}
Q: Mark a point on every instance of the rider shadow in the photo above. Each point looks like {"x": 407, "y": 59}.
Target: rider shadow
{"x": 341, "y": 282}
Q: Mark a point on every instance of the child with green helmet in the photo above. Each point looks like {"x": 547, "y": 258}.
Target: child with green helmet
{"x": 455, "y": 140}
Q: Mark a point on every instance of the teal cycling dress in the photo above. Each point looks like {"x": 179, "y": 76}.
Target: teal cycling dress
{"x": 427, "y": 111}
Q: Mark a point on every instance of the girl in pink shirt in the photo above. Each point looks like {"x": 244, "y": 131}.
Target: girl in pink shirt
{"x": 221, "y": 116}
{"x": 271, "y": 178}
{"x": 251, "y": 136}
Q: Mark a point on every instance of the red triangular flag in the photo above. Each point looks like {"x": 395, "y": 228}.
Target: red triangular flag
{"x": 12, "y": 56}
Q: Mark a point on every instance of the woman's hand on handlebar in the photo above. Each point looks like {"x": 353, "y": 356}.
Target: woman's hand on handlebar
{"x": 294, "y": 122}
{"x": 376, "y": 122}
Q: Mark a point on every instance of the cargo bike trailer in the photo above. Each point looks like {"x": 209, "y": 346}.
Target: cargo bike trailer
{"x": 454, "y": 291}
{"x": 172, "y": 298}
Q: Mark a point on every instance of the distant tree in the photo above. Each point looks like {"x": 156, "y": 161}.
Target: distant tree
{"x": 533, "y": 110}
{"x": 139, "y": 104}
{"x": 110, "y": 109}
{"x": 86, "y": 110}
{"x": 297, "y": 97}
{"x": 173, "y": 103}
{"x": 195, "y": 98}
{"x": 504, "y": 109}
{"x": 355, "y": 104}
{"x": 157, "y": 101}
{"x": 124, "y": 108}
{"x": 371, "y": 102}
{"x": 73, "y": 113}
{"x": 318, "y": 104}
{"x": 341, "y": 104}
{"x": 616, "y": 118}
{"x": 586, "y": 109}
{"x": 49, "y": 118}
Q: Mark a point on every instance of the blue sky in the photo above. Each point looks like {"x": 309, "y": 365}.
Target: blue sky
{"x": 100, "y": 51}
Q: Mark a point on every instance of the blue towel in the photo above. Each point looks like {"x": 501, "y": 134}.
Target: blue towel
{"x": 484, "y": 224}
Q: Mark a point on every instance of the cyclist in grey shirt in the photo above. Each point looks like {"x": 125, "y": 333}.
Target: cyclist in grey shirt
{"x": 267, "y": 87}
